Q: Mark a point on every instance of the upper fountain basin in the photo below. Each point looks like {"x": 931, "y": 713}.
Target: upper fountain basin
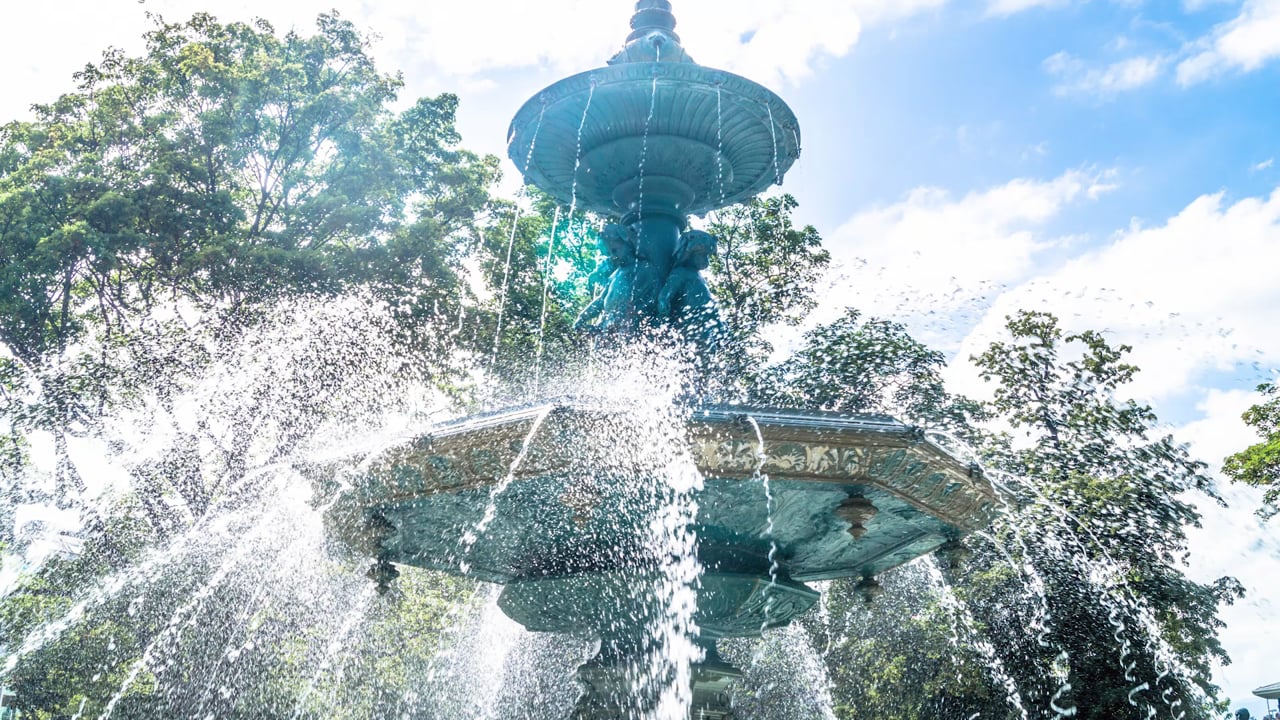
{"x": 669, "y": 137}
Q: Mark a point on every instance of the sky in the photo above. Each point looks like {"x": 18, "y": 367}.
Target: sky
{"x": 1116, "y": 162}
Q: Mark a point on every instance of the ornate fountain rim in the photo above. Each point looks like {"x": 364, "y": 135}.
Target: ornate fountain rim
{"x": 874, "y": 451}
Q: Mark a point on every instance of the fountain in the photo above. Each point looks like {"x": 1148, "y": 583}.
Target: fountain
{"x": 558, "y": 501}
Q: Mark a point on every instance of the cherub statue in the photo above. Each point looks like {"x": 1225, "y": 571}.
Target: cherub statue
{"x": 617, "y": 273}
{"x": 685, "y": 300}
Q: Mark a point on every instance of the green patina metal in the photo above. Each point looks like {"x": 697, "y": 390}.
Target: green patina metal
{"x": 649, "y": 140}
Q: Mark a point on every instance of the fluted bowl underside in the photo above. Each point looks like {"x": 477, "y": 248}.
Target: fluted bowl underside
{"x": 662, "y": 136}
{"x": 729, "y": 605}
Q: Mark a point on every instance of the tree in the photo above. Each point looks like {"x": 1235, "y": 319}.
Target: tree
{"x": 225, "y": 169}
{"x": 1076, "y": 597}
{"x": 1259, "y": 465}
{"x": 1113, "y": 498}
{"x": 763, "y": 274}
{"x": 195, "y": 214}
{"x": 895, "y": 659}
{"x": 859, "y": 366}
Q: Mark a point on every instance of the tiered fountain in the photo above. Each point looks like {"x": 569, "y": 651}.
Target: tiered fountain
{"x": 550, "y": 500}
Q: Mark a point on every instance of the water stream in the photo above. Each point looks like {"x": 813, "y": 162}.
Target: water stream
{"x": 498, "y": 490}
{"x": 769, "y": 507}
{"x": 720, "y": 140}
{"x": 648, "y": 123}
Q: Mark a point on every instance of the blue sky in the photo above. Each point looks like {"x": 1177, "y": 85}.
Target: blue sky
{"x": 1114, "y": 161}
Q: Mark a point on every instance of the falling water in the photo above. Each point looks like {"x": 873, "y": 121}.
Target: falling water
{"x": 465, "y": 678}
{"x": 784, "y": 677}
{"x": 1060, "y": 703}
{"x": 962, "y": 619}
{"x": 336, "y": 649}
{"x": 773, "y": 133}
{"x": 496, "y": 492}
{"x": 1111, "y": 587}
{"x": 506, "y": 282}
{"x": 658, "y": 453}
{"x": 549, "y": 267}
{"x": 648, "y": 122}
{"x": 720, "y": 140}
{"x": 763, "y": 478}
{"x": 511, "y": 241}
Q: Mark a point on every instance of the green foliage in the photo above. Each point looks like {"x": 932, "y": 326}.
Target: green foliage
{"x": 82, "y": 666}
{"x": 226, "y": 166}
{"x": 396, "y": 646}
{"x": 226, "y": 169}
{"x": 223, "y": 170}
{"x": 895, "y": 659}
{"x": 536, "y": 264}
{"x": 1088, "y": 450}
{"x": 1092, "y": 469}
{"x": 13, "y": 445}
{"x": 1063, "y": 590}
{"x": 1259, "y": 465}
{"x": 857, "y": 366}
{"x": 763, "y": 274}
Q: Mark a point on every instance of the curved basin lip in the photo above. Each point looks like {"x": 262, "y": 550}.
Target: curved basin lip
{"x": 773, "y": 416}
{"x": 639, "y": 72}
{"x": 714, "y": 413}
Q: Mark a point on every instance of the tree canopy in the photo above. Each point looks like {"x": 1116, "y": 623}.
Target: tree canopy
{"x": 226, "y": 166}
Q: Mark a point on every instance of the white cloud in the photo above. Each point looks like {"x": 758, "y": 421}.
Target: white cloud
{"x": 1195, "y": 295}
{"x": 1235, "y": 543}
{"x": 1011, "y": 7}
{"x": 935, "y": 260}
{"x": 1198, "y": 5}
{"x": 1264, "y": 165}
{"x": 773, "y": 41}
{"x": 1244, "y": 43}
{"x": 1075, "y": 77}
{"x": 879, "y": 11}
{"x": 1220, "y": 431}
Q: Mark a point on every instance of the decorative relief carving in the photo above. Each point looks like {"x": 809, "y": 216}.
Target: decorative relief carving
{"x": 918, "y": 473}
{"x": 910, "y": 473}
{"x": 768, "y": 606}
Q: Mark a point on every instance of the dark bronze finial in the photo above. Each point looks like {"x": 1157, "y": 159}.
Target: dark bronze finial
{"x": 653, "y": 37}
{"x": 653, "y": 15}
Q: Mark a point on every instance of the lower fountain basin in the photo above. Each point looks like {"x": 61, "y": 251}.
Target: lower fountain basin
{"x": 547, "y": 501}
